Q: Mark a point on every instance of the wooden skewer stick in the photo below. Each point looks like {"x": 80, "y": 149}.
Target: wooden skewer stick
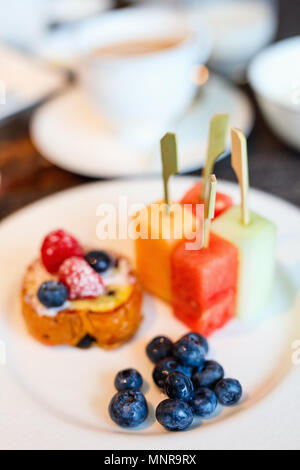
{"x": 216, "y": 146}
{"x": 209, "y": 210}
{"x": 239, "y": 162}
{"x": 169, "y": 157}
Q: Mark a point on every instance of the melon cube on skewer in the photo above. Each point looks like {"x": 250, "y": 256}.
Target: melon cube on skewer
{"x": 204, "y": 284}
{"x": 153, "y": 253}
{"x": 256, "y": 243}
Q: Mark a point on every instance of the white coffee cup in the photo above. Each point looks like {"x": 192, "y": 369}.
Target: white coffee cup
{"x": 142, "y": 94}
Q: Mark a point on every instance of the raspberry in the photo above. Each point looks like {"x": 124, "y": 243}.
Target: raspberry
{"x": 57, "y": 247}
{"x": 81, "y": 280}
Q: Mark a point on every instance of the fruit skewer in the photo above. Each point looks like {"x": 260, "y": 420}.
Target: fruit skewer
{"x": 253, "y": 235}
{"x": 204, "y": 281}
{"x": 165, "y": 224}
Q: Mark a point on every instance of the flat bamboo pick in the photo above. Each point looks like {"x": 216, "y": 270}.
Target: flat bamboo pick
{"x": 216, "y": 146}
{"x": 169, "y": 157}
{"x": 239, "y": 162}
{"x": 209, "y": 211}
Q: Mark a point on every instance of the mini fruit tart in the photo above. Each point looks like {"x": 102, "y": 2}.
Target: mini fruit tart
{"x": 77, "y": 298}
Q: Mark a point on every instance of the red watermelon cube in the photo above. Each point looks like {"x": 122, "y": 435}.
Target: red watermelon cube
{"x": 223, "y": 201}
{"x": 204, "y": 284}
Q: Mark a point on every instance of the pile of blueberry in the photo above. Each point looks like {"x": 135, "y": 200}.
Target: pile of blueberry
{"x": 193, "y": 384}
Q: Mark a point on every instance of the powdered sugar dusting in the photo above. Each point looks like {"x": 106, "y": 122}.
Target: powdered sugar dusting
{"x": 82, "y": 281}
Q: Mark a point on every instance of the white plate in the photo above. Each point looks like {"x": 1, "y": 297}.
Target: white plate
{"x": 58, "y": 397}
{"x": 71, "y": 135}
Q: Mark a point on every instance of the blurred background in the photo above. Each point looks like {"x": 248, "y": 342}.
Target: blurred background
{"x": 87, "y": 88}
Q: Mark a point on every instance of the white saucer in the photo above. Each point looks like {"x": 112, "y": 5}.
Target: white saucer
{"x": 69, "y": 133}
{"x": 57, "y": 398}
{"x": 25, "y": 82}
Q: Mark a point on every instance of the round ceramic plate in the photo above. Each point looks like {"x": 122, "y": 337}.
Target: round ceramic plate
{"x": 87, "y": 145}
{"x": 58, "y": 397}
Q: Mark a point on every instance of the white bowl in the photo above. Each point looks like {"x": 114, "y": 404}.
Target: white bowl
{"x": 275, "y": 78}
{"x": 241, "y": 28}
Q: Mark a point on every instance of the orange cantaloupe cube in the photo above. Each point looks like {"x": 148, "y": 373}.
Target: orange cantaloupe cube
{"x": 160, "y": 234}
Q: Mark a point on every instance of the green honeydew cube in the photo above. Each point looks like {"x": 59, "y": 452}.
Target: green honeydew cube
{"x": 257, "y": 245}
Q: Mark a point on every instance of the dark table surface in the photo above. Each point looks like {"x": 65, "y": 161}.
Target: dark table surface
{"x": 27, "y": 176}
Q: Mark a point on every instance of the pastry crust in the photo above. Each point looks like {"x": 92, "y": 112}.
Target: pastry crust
{"x": 68, "y": 326}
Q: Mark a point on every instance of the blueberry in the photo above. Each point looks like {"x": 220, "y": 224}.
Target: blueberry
{"x": 187, "y": 371}
{"x": 162, "y": 369}
{"x": 174, "y": 415}
{"x": 229, "y": 392}
{"x": 53, "y": 294}
{"x": 204, "y": 403}
{"x": 209, "y": 376}
{"x": 199, "y": 339}
{"x": 129, "y": 379}
{"x": 86, "y": 342}
{"x": 189, "y": 353}
{"x": 179, "y": 386}
{"x": 99, "y": 260}
{"x": 128, "y": 409}
{"x": 159, "y": 348}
